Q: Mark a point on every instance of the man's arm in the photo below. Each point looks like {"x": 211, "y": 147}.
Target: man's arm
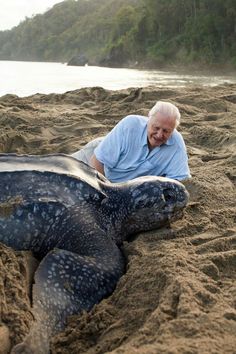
{"x": 97, "y": 165}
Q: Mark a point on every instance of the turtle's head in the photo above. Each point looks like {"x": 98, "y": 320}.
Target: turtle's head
{"x": 153, "y": 202}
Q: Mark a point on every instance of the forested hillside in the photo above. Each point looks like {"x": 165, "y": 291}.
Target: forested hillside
{"x": 127, "y": 32}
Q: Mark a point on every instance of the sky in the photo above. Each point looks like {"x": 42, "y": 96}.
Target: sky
{"x": 12, "y": 12}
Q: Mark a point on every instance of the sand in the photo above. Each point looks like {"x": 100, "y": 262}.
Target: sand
{"x": 179, "y": 292}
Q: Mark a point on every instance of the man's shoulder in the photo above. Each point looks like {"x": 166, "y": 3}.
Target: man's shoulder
{"x": 134, "y": 120}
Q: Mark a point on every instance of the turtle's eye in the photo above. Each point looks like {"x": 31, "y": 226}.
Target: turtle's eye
{"x": 168, "y": 195}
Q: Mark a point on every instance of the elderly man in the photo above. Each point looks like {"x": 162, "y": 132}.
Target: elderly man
{"x": 139, "y": 146}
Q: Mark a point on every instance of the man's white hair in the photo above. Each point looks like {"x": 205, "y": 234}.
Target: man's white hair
{"x": 167, "y": 109}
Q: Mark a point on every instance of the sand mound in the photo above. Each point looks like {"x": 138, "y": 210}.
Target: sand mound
{"x": 178, "y": 295}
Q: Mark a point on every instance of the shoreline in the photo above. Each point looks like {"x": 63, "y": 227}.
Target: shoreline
{"x": 213, "y": 69}
{"x": 49, "y": 78}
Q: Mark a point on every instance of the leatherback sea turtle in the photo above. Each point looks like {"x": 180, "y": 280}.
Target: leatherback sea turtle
{"x": 74, "y": 220}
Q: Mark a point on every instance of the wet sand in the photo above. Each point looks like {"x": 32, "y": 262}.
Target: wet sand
{"x": 179, "y": 292}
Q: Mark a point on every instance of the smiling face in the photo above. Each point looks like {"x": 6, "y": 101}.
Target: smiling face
{"x": 159, "y": 129}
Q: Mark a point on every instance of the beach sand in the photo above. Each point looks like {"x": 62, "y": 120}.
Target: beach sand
{"x": 179, "y": 292}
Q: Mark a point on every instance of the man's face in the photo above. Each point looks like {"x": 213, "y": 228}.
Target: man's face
{"x": 159, "y": 129}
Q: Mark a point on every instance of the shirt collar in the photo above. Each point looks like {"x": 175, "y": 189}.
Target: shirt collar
{"x": 171, "y": 140}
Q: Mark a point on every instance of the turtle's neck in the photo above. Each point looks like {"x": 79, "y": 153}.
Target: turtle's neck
{"x": 113, "y": 215}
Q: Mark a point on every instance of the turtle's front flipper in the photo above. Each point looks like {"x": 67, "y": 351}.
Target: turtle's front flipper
{"x": 65, "y": 284}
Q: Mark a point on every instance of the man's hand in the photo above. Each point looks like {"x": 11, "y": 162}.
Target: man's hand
{"x": 97, "y": 165}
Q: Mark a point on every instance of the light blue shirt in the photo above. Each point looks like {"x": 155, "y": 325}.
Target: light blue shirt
{"x": 125, "y": 154}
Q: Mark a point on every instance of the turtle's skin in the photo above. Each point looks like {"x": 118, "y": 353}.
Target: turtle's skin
{"x": 75, "y": 220}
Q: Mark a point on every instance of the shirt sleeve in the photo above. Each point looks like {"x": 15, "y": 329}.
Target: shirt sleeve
{"x": 109, "y": 150}
{"x": 178, "y": 167}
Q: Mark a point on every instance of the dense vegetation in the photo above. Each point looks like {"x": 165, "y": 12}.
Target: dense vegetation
{"x": 124, "y": 32}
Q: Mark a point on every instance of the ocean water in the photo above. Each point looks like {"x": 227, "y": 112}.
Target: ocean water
{"x": 27, "y": 78}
